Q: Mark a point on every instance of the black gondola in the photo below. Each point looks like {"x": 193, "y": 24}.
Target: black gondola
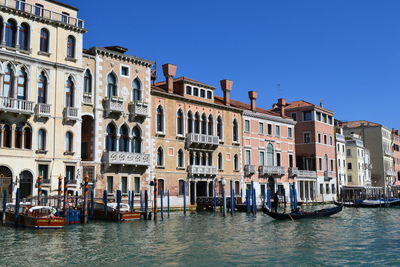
{"x": 385, "y": 203}
{"x": 303, "y": 214}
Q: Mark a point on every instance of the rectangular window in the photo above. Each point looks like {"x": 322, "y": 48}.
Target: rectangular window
{"x": 318, "y": 116}
{"x": 325, "y": 140}
{"x": 188, "y": 90}
{"x": 320, "y": 164}
{"x": 270, "y": 129}
{"x": 324, "y": 118}
{"x": 327, "y": 188}
{"x": 160, "y": 186}
{"x": 70, "y": 173}
{"x": 248, "y": 157}
{"x": 209, "y": 95}
{"x": 307, "y": 138}
{"x": 307, "y": 116}
{"x": 65, "y": 17}
{"x": 278, "y": 159}
{"x": 321, "y": 189}
{"x": 247, "y": 126}
{"x": 237, "y": 188}
{"x": 331, "y": 164}
{"x": 43, "y": 171}
{"x": 180, "y": 187}
{"x": 348, "y": 152}
{"x": 330, "y": 121}
{"x": 319, "y": 138}
{"x": 38, "y": 10}
{"x": 290, "y": 160}
{"x": 294, "y": 116}
{"x": 124, "y": 185}
{"x": 125, "y": 71}
{"x": 110, "y": 184}
{"x": 349, "y": 166}
{"x": 262, "y": 158}
{"x": 202, "y": 93}
{"x": 290, "y": 133}
{"x": 260, "y": 128}
{"x": 277, "y": 130}
{"x": 333, "y": 189}
{"x": 137, "y": 185}
{"x": 195, "y": 91}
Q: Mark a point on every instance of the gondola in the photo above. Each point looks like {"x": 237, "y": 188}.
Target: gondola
{"x": 124, "y": 215}
{"x": 296, "y": 215}
{"x": 369, "y": 203}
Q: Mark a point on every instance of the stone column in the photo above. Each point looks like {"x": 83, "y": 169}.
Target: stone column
{"x": 17, "y": 37}
{"x": 3, "y": 37}
{"x": 13, "y": 126}
{"x": 195, "y": 192}
{"x": 208, "y": 186}
{"x": 1, "y": 135}
{"x": 117, "y": 142}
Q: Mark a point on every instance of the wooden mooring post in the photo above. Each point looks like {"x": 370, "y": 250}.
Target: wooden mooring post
{"x": 39, "y": 187}
{"x": 184, "y": 197}
{"x": 4, "y": 206}
{"x": 59, "y": 193}
{"x": 146, "y": 204}
{"x": 119, "y": 201}
{"x": 162, "y": 203}
{"x": 16, "y": 213}
{"x": 105, "y": 202}
{"x": 169, "y": 204}
{"x": 85, "y": 196}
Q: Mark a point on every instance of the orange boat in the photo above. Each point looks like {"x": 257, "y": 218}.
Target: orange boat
{"x": 125, "y": 214}
{"x": 42, "y": 217}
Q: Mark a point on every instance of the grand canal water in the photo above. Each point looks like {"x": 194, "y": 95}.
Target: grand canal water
{"x": 355, "y": 236}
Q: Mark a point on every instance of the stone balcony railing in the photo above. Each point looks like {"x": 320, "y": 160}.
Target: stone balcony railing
{"x": 126, "y": 158}
{"x": 195, "y": 140}
{"x": 293, "y": 172}
{"x": 21, "y": 6}
{"x": 340, "y": 137}
{"x": 271, "y": 170}
{"x": 71, "y": 114}
{"x": 16, "y": 105}
{"x": 388, "y": 152}
{"x": 249, "y": 170}
{"x": 390, "y": 173}
{"x": 139, "y": 109}
{"x": 202, "y": 170}
{"x": 328, "y": 175}
{"x": 87, "y": 99}
{"x": 113, "y": 105}
{"x": 307, "y": 174}
{"x": 43, "y": 110}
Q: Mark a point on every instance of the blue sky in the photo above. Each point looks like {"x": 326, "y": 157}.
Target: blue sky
{"x": 345, "y": 52}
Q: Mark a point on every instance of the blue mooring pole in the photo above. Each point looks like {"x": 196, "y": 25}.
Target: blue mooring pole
{"x": 4, "y": 206}
{"x": 269, "y": 198}
{"x": 141, "y": 200}
{"x": 264, "y": 198}
{"x": 105, "y": 201}
{"x": 16, "y": 208}
{"x": 295, "y": 195}
{"x": 233, "y": 200}
{"x": 146, "y": 203}
{"x": 215, "y": 201}
{"x": 119, "y": 200}
{"x": 248, "y": 201}
{"x": 184, "y": 197}
{"x": 129, "y": 199}
{"x": 252, "y": 197}
{"x": 91, "y": 204}
{"x": 169, "y": 204}
{"x": 162, "y": 204}
{"x": 231, "y": 193}
{"x": 133, "y": 200}
{"x": 291, "y": 196}
{"x": 254, "y": 202}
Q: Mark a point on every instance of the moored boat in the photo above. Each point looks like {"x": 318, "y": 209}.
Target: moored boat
{"x": 371, "y": 203}
{"x": 42, "y": 217}
{"x": 298, "y": 214}
{"x": 125, "y": 214}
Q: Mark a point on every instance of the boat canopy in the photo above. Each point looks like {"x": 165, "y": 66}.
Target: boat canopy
{"x": 122, "y": 206}
{"x": 42, "y": 207}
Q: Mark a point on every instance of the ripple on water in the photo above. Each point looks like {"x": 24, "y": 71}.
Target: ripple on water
{"x": 355, "y": 236}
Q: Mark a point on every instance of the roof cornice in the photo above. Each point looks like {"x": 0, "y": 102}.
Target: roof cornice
{"x": 268, "y": 117}
{"x": 120, "y": 56}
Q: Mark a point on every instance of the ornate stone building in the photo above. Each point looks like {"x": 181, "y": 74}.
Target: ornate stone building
{"x": 40, "y": 77}
{"x": 197, "y": 138}
{"x": 116, "y": 140}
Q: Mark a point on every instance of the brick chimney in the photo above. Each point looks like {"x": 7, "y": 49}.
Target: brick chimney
{"x": 253, "y": 98}
{"x": 226, "y": 86}
{"x": 169, "y": 71}
{"x": 282, "y": 106}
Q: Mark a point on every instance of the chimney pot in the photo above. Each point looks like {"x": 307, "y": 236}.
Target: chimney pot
{"x": 169, "y": 71}
{"x": 282, "y": 106}
{"x": 226, "y": 86}
{"x": 253, "y": 97}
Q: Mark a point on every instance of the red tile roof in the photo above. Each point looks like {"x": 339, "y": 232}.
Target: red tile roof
{"x": 355, "y": 124}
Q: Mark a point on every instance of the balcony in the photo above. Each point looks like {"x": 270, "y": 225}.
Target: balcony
{"x": 71, "y": 114}
{"x": 271, "y": 170}
{"x": 293, "y": 172}
{"x": 21, "y": 6}
{"x": 196, "y": 170}
{"x": 307, "y": 174}
{"x": 14, "y": 105}
{"x": 87, "y": 99}
{"x": 43, "y": 110}
{"x": 249, "y": 170}
{"x": 195, "y": 140}
{"x": 114, "y": 105}
{"x": 340, "y": 137}
{"x": 328, "y": 175}
{"x": 388, "y": 152}
{"x": 126, "y": 158}
{"x": 390, "y": 173}
{"x": 138, "y": 109}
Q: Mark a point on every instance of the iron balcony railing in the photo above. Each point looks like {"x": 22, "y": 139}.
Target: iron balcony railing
{"x": 16, "y": 105}
{"x": 42, "y": 12}
{"x": 126, "y": 158}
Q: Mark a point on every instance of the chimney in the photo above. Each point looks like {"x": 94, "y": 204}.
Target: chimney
{"x": 169, "y": 71}
{"x": 253, "y": 98}
{"x": 226, "y": 86}
{"x": 282, "y": 106}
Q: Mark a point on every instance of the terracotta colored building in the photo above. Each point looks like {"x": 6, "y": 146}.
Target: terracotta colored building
{"x": 396, "y": 155}
{"x": 196, "y": 138}
{"x": 315, "y": 150}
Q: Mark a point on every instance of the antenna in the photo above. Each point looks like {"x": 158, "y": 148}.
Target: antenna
{"x": 320, "y": 102}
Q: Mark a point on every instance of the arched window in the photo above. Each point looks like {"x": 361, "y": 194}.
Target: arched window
{"x": 137, "y": 90}
{"x": 27, "y": 138}
{"x": 8, "y": 82}
{"x": 7, "y": 136}
{"x": 111, "y": 138}
{"x": 160, "y": 157}
{"x": 270, "y": 155}
{"x": 190, "y": 122}
{"x": 180, "y": 158}
{"x": 44, "y": 40}
{"x": 11, "y": 33}
{"x": 236, "y": 162}
{"x": 24, "y": 32}
{"x": 136, "y": 140}
{"x": 179, "y": 122}
{"x": 204, "y": 124}
{"x": 210, "y": 125}
{"x": 22, "y": 85}
{"x": 1, "y": 29}
{"x": 71, "y": 47}
{"x": 18, "y": 137}
{"x": 220, "y": 163}
{"x": 69, "y": 139}
{"x": 87, "y": 82}
{"x": 160, "y": 119}
{"x": 42, "y": 139}
{"x": 69, "y": 93}
{"x": 197, "y": 123}
{"x": 124, "y": 139}
{"x": 219, "y": 128}
{"x": 42, "y": 88}
{"x": 235, "y": 131}
{"x": 111, "y": 85}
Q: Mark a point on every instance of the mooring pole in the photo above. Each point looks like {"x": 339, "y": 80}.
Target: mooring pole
{"x": 184, "y": 197}
{"x": 39, "y": 187}
{"x": 223, "y": 201}
{"x": 133, "y": 200}
{"x": 91, "y": 204}
{"x": 76, "y": 199}
{"x": 252, "y": 197}
{"x": 65, "y": 197}
{"x": 85, "y": 196}
{"x": 141, "y": 200}
{"x": 232, "y": 197}
{"x": 59, "y": 193}
{"x": 146, "y": 203}
{"x": 155, "y": 199}
{"x": 4, "y": 206}
{"x": 169, "y": 204}
{"x": 119, "y": 200}
{"x": 248, "y": 201}
{"x": 162, "y": 203}
{"x": 255, "y": 202}
{"x": 16, "y": 217}
{"x": 105, "y": 202}
{"x": 215, "y": 200}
